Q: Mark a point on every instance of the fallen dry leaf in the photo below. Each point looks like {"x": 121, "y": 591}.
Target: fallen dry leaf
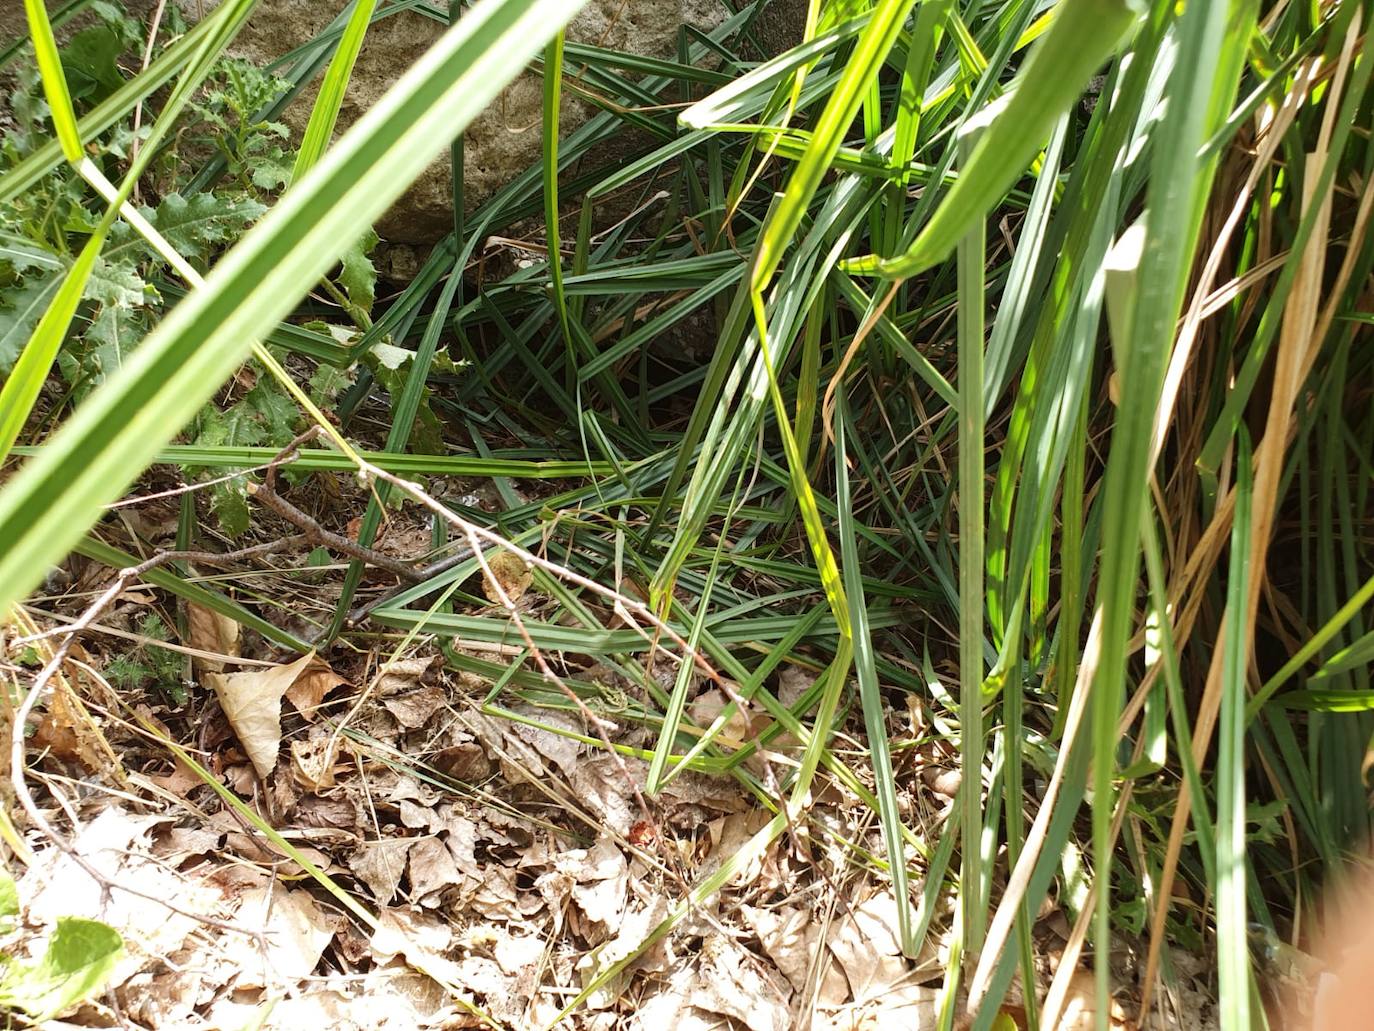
{"x": 68, "y": 731}
{"x": 380, "y": 864}
{"x": 405, "y": 674}
{"x": 209, "y": 631}
{"x": 420, "y": 939}
{"x": 1079, "y": 1012}
{"x": 599, "y": 880}
{"x": 789, "y": 936}
{"x": 413, "y": 709}
{"x": 432, "y": 868}
{"x": 252, "y": 703}
{"x": 295, "y": 933}
{"x": 314, "y": 759}
{"x": 117, "y": 844}
{"x": 310, "y": 688}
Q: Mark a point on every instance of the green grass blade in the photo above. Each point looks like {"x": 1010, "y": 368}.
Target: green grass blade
{"x": 325, "y": 114}
{"x": 26, "y": 379}
{"x": 870, "y": 694}
{"x": 1233, "y": 953}
{"x": 54, "y": 80}
{"x": 114, "y": 107}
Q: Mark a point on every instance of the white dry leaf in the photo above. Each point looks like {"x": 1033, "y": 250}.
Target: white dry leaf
{"x": 730, "y": 982}
{"x": 294, "y": 929}
{"x": 634, "y": 928}
{"x": 209, "y": 631}
{"x": 314, "y": 758}
{"x": 419, "y": 939}
{"x": 865, "y": 941}
{"x": 1079, "y": 1012}
{"x": 790, "y": 938}
{"x": 708, "y": 706}
{"x": 514, "y": 954}
{"x": 116, "y": 843}
{"x": 496, "y": 896}
{"x": 668, "y": 1009}
{"x": 729, "y": 835}
{"x": 252, "y": 703}
{"x": 600, "y": 880}
{"x": 601, "y": 784}
{"x": 563, "y": 751}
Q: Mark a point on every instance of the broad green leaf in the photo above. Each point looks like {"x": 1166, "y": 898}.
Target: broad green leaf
{"x": 20, "y": 310}
{"x": 79, "y": 960}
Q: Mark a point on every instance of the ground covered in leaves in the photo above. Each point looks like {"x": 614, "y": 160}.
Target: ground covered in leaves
{"x": 383, "y": 829}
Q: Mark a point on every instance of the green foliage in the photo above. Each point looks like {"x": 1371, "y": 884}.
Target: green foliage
{"x": 80, "y": 956}
{"x": 121, "y": 302}
{"x": 42, "y": 225}
{"x": 921, "y": 493}
{"x": 148, "y": 667}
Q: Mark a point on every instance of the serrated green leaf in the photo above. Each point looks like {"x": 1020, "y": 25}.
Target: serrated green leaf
{"x": 20, "y": 309}
{"x": 329, "y": 381}
{"x": 229, "y": 503}
{"x": 109, "y": 340}
{"x": 357, "y": 274}
{"x": 118, "y": 283}
{"x": 194, "y": 225}
{"x": 275, "y": 411}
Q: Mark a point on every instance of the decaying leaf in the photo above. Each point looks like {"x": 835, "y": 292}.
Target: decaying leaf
{"x": 432, "y": 868}
{"x": 405, "y": 674}
{"x": 420, "y": 939}
{"x": 209, "y": 631}
{"x": 380, "y": 865}
{"x": 413, "y": 709}
{"x": 599, "y": 880}
{"x": 252, "y": 703}
{"x": 69, "y": 732}
{"x": 314, "y": 758}
{"x": 1080, "y": 1005}
{"x": 789, "y": 936}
